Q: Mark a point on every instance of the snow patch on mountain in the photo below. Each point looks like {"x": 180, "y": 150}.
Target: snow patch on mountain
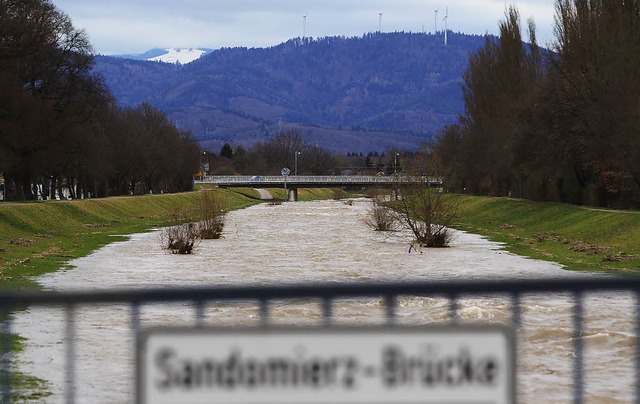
{"x": 182, "y": 56}
{"x": 169, "y": 55}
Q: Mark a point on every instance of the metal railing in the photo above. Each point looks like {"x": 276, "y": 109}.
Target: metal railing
{"x": 265, "y": 296}
{"x": 324, "y": 180}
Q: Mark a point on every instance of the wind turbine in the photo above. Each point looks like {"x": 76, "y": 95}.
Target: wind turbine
{"x": 304, "y": 26}
{"x": 435, "y": 21}
{"x": 446, "y": 17}
{"x": 379, "y": 21}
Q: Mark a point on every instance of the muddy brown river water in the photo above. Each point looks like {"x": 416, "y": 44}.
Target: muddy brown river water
{"x": 324, "y": 242}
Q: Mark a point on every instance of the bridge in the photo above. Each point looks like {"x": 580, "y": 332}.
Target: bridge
{"x": 293, "y": 182}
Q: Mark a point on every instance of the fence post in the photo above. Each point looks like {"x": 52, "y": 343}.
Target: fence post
{"x": 199, "y": 313}
{"x": 70, "y": 345}
{"x": 6, "y": 354}
{"x": 453, "y": 308}
{"x": 390, "y": 306}
{"x": 637, "y": 358}
{"x": 578, "y": 370}
{"x": 264, "y": 312}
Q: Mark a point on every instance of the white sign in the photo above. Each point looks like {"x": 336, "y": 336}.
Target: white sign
{"x": 462, "y": 365}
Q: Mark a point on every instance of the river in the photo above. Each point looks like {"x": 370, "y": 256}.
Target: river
{"x": 323, "y": 242}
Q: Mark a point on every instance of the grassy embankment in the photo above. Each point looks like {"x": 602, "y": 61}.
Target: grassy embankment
{"x": 37, "y": 238}
{"x": 304, "y": 194}
{"x": 580, "y": 238}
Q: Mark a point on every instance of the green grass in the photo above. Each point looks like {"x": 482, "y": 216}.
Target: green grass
{"x": 41, "y": 237}
{"x": 304, "y": 194}
{"x": 37, "y": 238}
{"x": 25, "y": 388}
{"x": 310, "y": 194}
{"x": 580, "y": 238}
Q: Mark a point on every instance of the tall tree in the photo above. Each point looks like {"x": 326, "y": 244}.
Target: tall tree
{"x": 46, "y": 70}
{"x": 595, "y": 75}
{"x": 498, "y": 83}
{"x": 279, "y": 151}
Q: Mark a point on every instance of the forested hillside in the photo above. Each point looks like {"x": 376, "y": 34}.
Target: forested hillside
{"x": 347, "y": 94}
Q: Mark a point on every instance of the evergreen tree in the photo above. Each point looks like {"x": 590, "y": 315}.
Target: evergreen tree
{"x": 226, "y": 151}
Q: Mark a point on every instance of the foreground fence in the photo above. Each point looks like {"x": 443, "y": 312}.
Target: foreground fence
{"x": 327, "y": 295}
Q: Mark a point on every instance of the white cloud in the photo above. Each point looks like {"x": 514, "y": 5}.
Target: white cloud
{"x": 131, "y": 26}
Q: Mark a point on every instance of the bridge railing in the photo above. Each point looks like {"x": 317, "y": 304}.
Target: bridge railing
{"x": 265, "y": 297}
{"x": 317, "y": 179}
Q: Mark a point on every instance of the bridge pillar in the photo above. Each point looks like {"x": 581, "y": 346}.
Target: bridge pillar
{"x": 293, "y": 195}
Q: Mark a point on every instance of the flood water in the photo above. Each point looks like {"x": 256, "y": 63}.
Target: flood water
{"x": 323, "y": 242}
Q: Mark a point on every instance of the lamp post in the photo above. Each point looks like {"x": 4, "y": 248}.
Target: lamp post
{"x": 395, "y": 164}
{"x": 285, "y": 173}
{"x": 295, "y": 170}
{"x": 204, "y": 166}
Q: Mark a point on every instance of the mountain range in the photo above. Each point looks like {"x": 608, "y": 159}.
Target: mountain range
{"x": 358, "y": 94}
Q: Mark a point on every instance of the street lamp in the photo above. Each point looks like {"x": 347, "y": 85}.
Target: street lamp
{"x": 395, "y": 164}
{"x": 295, "y": 171}
{"x": 204, "y": 166}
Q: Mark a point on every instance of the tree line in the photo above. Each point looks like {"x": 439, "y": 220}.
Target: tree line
{"x": 288, "y": 149}
{"x": 61, "y": 132}
{"x": 553, "y": 125}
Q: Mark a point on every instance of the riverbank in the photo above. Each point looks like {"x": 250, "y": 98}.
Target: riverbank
{"x": 578, "y": 237}
{"x": 37, "y": 238}
{"x": 41, "y": 237}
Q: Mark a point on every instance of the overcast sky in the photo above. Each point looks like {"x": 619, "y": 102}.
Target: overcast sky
{"x": 135, "y": 26}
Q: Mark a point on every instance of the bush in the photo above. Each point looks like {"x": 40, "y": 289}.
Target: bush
{"x": 179, "y": 239}
{"x": 427, "y": 213}
{"x": 206, "y": 221}
{"x": 382, "y": 218}
{"x": 211, "y": 216}
{"x": 211, "y": 229}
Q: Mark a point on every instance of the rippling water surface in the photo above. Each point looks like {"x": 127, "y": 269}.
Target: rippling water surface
{"x": 323, "y": 242}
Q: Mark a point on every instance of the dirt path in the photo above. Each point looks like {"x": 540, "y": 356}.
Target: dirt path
{"x": 264, "y": 194}
{"x": 607, "y": 210}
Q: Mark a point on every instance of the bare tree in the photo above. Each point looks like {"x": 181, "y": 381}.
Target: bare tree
{"x": 427, "y": 212}
{"x": 189, "y": 227}
{"x": 180, "y": 238}
{"x": 317, "y": 161}
{"x": 211, "y": 215}
{"x": 382, "y": 218}
{"x": 280, "y": 150}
